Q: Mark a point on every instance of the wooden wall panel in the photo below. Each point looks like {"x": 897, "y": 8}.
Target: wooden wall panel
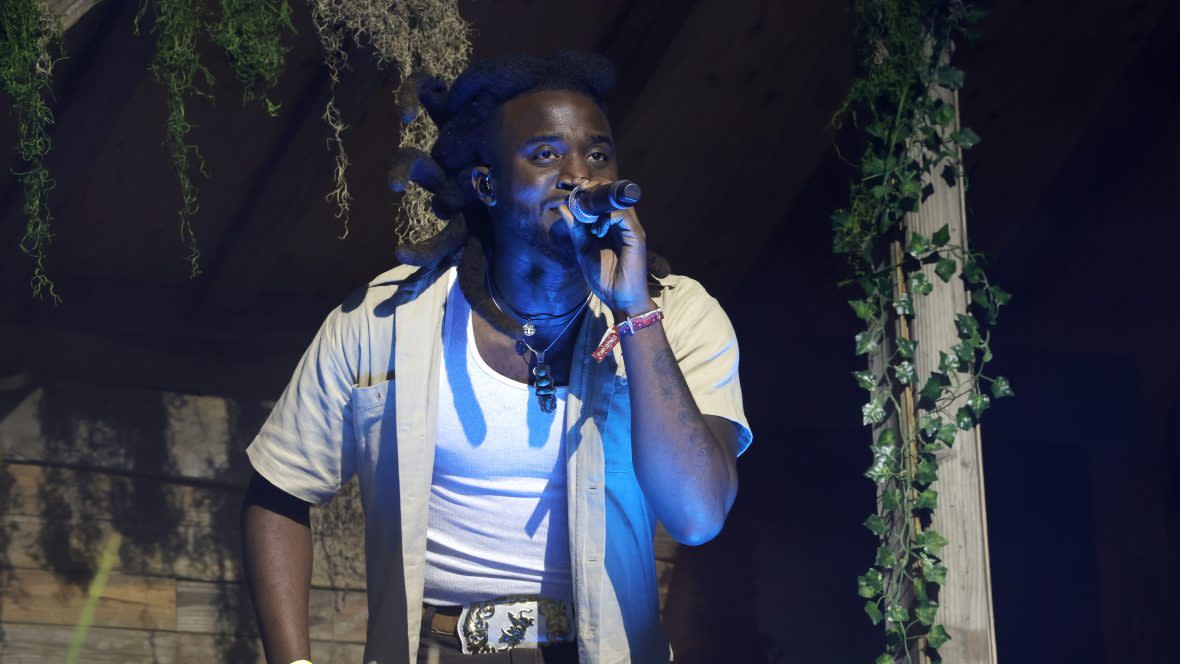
{"x": 37, "y": 596}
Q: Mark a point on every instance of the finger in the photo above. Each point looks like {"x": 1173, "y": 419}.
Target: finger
{"x": 578, "y": 231}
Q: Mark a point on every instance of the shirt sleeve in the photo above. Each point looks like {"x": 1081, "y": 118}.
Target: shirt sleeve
{"x": 306, "y": 447}
{"x": 705, "y": 346}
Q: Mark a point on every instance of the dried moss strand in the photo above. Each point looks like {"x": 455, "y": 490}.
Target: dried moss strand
{"x": 178, "y": 68}
{"x": 29, "y": 32}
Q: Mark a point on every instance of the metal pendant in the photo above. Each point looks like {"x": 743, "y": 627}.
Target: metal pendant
{"x": 528, "y": 329}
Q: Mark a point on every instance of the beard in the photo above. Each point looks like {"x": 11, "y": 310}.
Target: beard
{"x": 552, "y": 242}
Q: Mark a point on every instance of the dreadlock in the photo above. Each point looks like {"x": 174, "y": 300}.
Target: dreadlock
{"x": 464, "y": 115}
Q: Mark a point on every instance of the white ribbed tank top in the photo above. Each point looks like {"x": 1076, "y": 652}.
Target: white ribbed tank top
{"x": 497, "y": 523}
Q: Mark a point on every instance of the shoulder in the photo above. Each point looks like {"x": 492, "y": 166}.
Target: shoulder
{"x": 379, "y": 299}
{"x": 679, "y": 292}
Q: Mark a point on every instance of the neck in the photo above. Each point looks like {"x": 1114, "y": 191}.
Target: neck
{"x": 532, "y": 284}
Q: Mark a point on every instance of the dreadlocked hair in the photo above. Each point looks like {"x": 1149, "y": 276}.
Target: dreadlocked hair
{"x": 464, "y": 116}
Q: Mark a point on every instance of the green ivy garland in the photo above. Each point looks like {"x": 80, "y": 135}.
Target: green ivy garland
{"x": 29, "y": 33}
{"x": 909, "y": 134}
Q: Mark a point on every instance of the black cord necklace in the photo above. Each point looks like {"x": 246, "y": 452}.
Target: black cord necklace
{"x": 542, "y": 373}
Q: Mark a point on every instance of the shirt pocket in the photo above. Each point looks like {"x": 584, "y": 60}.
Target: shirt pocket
{"x": 371, "y": 409}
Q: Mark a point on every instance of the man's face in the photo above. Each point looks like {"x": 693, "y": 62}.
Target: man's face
{"x": 547, "y": 141}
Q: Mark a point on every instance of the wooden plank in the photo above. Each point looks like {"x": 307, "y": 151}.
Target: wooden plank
{"x": 665, "y": 547}
{"x": 38, "y": 596}
{"x": 201, "y": 608}
{"x": 965, "y": 601}
{"x": 48, "y": 644}
{"x": 35, "y": 491}
{"x": 189, "y": 552}
{"x": 151, "y": 433}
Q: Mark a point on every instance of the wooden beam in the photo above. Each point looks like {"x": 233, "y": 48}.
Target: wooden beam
{"x": 291, "y": 176}
{"x": 69, "y": 11}
{"x": 965, "y": 600}
{"x": 45, "y": 598}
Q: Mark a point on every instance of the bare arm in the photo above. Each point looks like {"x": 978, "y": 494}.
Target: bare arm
{"x": 686, "y": 462}
{"x": 276, "y": 543}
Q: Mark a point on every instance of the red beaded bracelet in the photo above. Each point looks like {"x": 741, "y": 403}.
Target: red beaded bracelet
{"x": 627, "y": 327}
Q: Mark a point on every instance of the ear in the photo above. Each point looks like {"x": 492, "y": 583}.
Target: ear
{"x": 481, "y": 184}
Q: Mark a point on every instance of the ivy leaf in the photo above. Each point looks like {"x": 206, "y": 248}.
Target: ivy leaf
{"x": 905, "y": 372}
{"x": 865, "y": 343}
{"x": 918, "y": 245}
{"x": 870, "y": 585}
{"x": 929, "y": 424}
{"x": 950, "y": 77}
{"x": 920, "y": 284}
{"x": 978, "y": 402}
{"x": 944, "y": 115}
{"x": 981, "y": 297}
{"x": 874, "y": 614}
{"x": 905, "y": 348}
{"x": 925, "y": 613}
{"x": 947, "y": 363}
{"x": 972, "y": 272}
{"x": 947, "y": 431}
{"x": 935, "y": 573}
{"x": 931, "y": 541}
{"x": 876, "y": 524}
{"x": 886, "y": 441}
{"x": 862, "y": 308}
{"x": 891, "y": 499}
{"x": 896, "y": 613}
{"x": 932, "y": 390}
{"x": 964, "y": 351}
{"x": 941, "y": 236}
{"x": 963, "y": 418}
{"x": 937, "y": 637}
{"x": 885, "y": 557}
{"x": 927, "y": 500}
{"x": 965, "y": 138}
{"x": 866, "y": 379}
{"x": 927, "y": 472}
{"x": 883, "y": 659}
{"x": 1002, "y": 388}
{"x": 968, "y": 329}
{"x": 946, "y": 268}
{"x": 872, "y": 412}
{"x": 903, "y": 305}
{"x": 1002, "y": 296}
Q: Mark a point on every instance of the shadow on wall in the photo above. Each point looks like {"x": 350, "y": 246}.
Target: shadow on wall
{"x": 164, "y": 471}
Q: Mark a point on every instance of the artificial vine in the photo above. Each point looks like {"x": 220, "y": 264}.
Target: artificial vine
{"x": 250, "y": 32}
{"x": 29, "y": 34}
{"x": 418, "y": 35}
{"x": 900, "y": 101}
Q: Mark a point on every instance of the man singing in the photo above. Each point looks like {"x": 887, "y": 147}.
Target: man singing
{"x": 521, "y": 400}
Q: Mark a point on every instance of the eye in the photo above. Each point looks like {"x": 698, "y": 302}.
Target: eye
{"x": 545, "y": 155}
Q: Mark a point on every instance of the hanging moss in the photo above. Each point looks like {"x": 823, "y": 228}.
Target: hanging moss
{"x": 417, "y": 35}
{"x": 251, "y": 33}
{"x": 178, "y": 68}
{"x": 29, "y": 33}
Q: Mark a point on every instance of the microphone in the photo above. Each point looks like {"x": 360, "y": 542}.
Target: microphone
{"x": 589, "y": 203}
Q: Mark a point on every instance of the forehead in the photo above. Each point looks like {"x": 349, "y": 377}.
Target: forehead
{"x": 550, "y": 113}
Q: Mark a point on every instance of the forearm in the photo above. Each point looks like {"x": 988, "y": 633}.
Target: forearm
{"x": 278, "y": 554}
{"x": 686, "y": 470}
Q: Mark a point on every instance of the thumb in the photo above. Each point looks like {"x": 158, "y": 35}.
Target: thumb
{"x": 579, "y": 232}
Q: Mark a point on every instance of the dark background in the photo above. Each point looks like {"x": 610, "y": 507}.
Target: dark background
{"x": 722, "y": 114}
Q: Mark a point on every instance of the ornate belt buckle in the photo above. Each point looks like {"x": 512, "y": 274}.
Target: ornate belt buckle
{"x": 524, "y": 621}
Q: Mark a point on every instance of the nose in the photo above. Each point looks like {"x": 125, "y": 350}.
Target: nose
{"x": 574, "y": 174}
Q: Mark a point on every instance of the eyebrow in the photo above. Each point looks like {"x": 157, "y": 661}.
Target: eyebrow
{"x": 554, "y": 138}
